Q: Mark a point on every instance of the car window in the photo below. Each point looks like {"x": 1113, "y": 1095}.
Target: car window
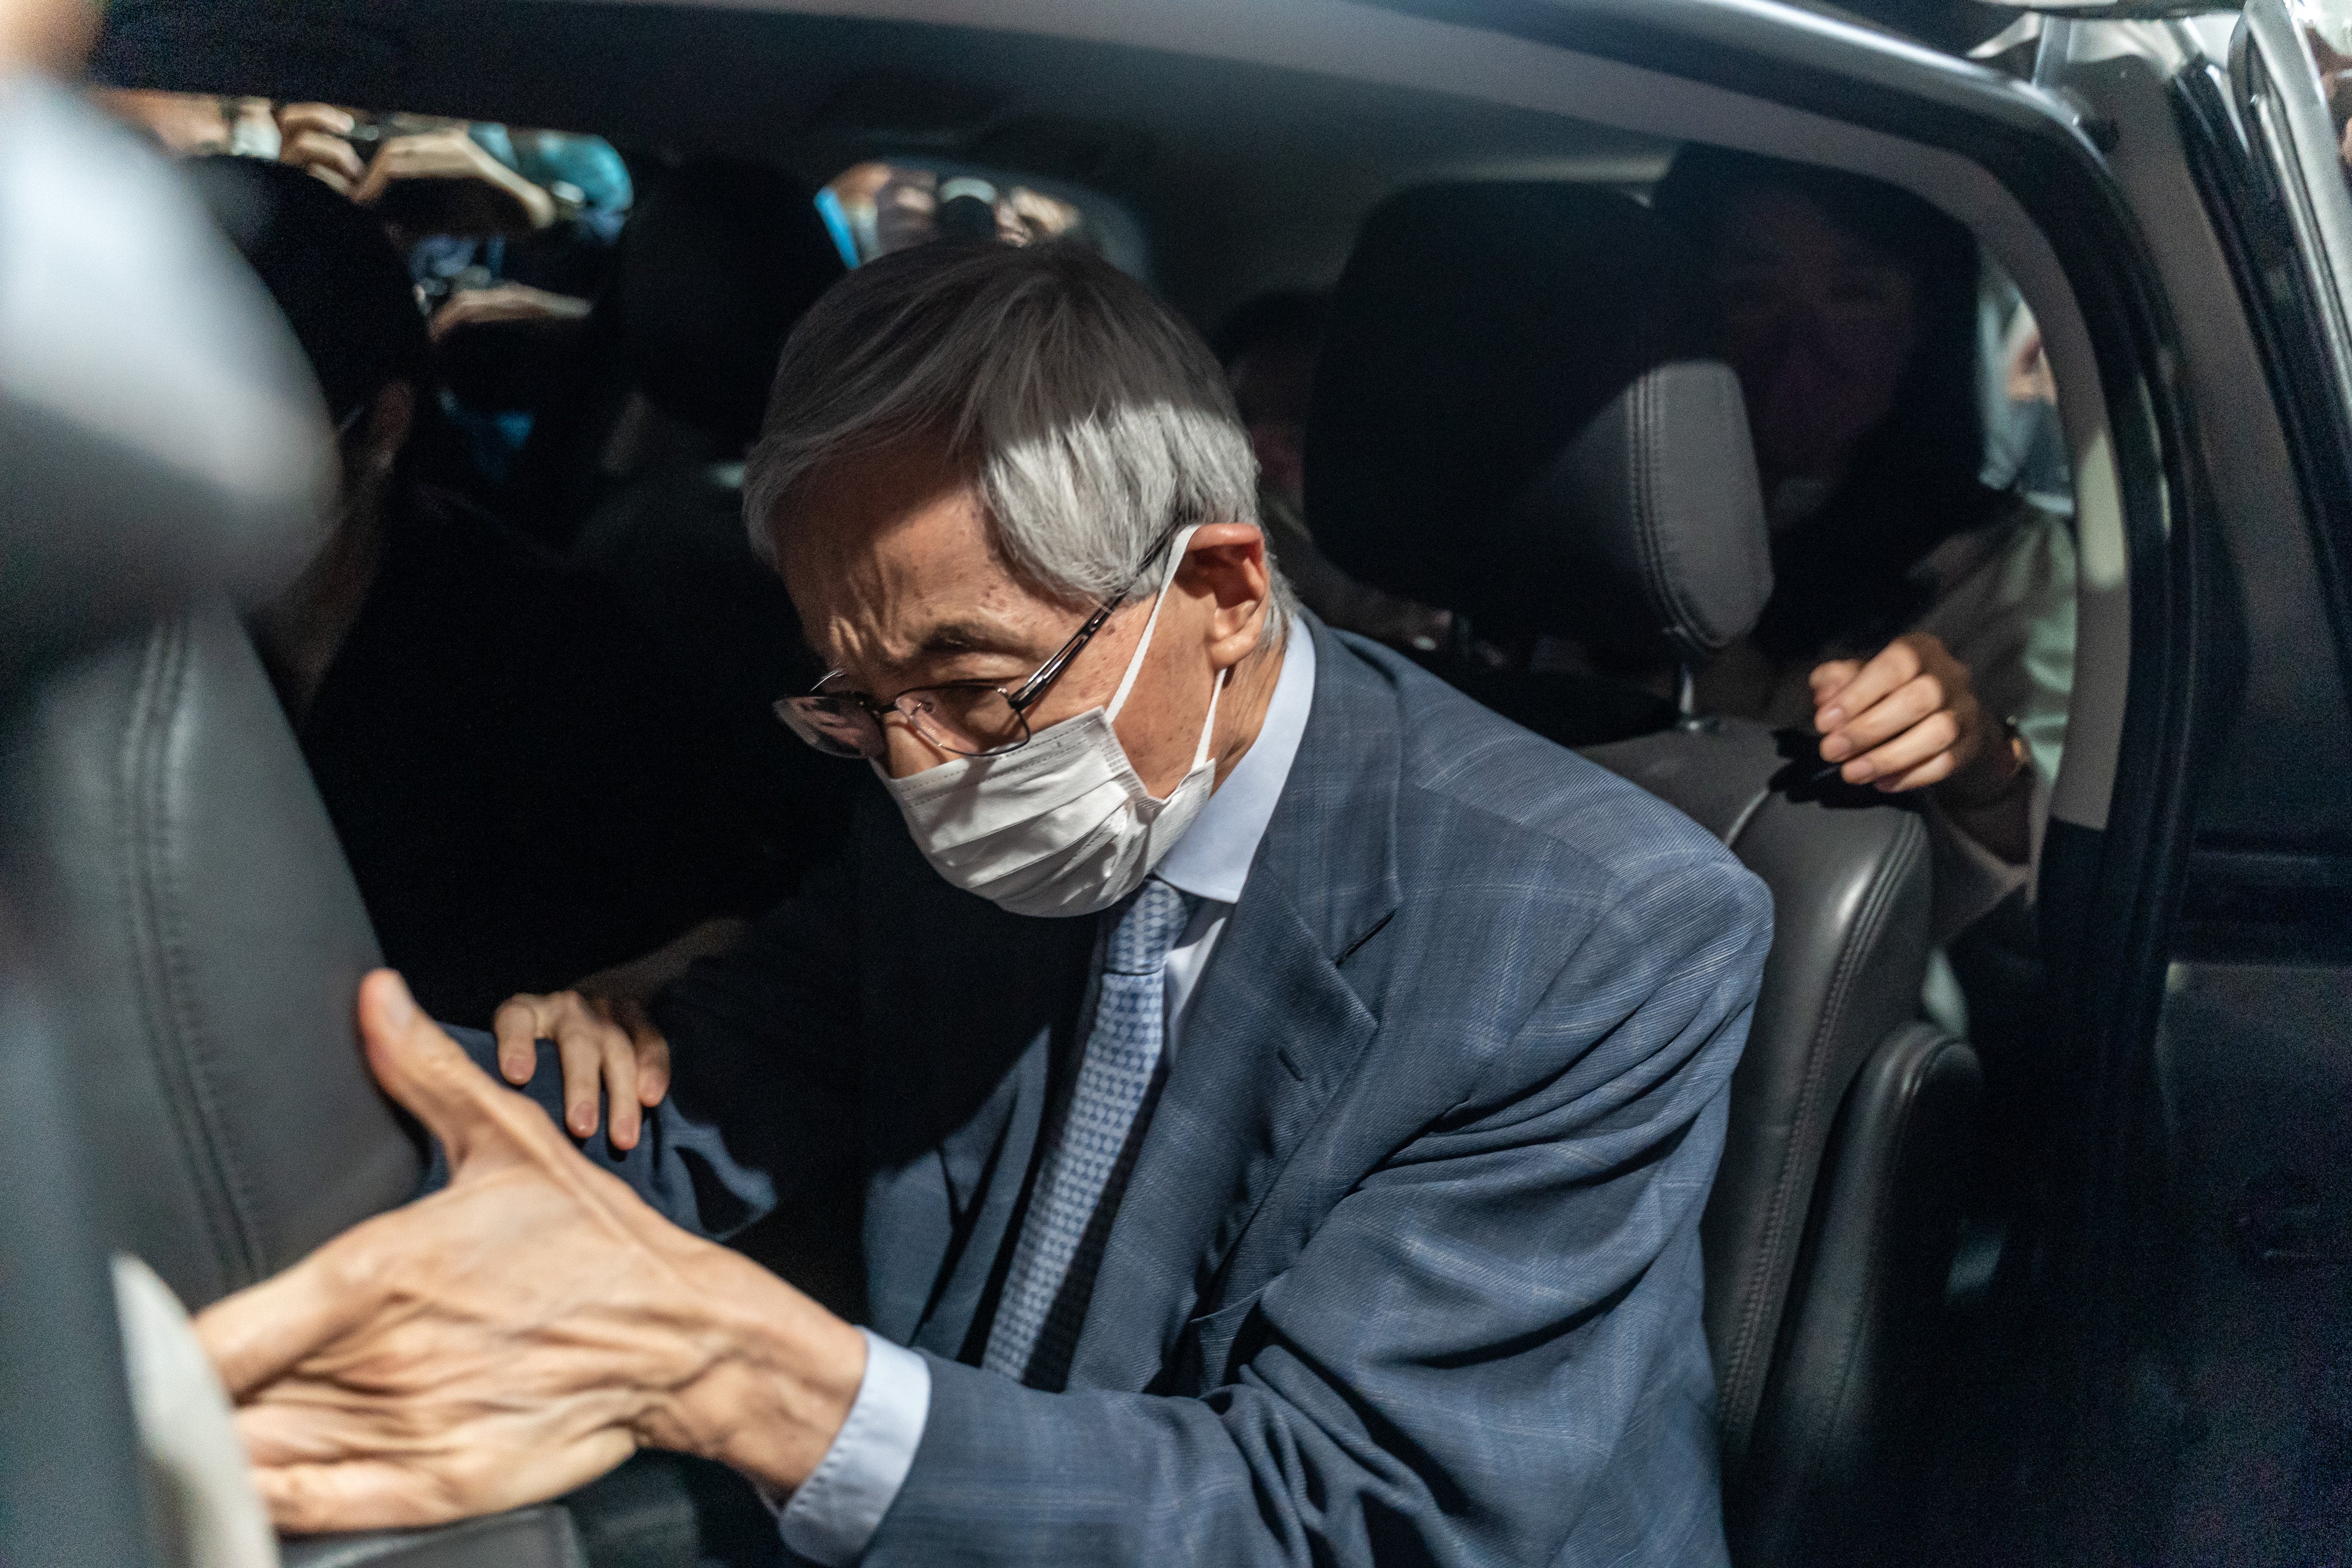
{"x": 509, "y": 232}
{"x": 2291, "y": 69}
{"x": 2025, "y": 446}
{"x": 879, "y": 206}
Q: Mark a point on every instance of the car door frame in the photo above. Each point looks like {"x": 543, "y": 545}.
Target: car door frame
{"x": 2108, "y": 896}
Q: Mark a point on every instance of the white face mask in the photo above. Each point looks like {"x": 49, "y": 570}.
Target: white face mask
{"x": 1064, "y": 825}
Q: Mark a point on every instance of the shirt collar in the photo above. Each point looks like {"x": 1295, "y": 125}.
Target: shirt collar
{"x": 1212, "y": 859}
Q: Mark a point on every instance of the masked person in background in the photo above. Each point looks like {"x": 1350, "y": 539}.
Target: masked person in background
{"x": 1921, "y": 622}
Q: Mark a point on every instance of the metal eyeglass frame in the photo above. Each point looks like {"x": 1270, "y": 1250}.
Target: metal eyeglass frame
{"x": 1021, "y": 701}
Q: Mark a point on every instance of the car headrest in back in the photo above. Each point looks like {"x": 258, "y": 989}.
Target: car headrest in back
{"x": 718, "y": 261}
{"x": 1521, "y": 413}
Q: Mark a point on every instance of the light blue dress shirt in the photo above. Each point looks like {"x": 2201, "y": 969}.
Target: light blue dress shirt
{"x": 833, "y": 1515}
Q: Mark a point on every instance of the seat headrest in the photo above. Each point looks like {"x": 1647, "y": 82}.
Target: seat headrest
{"x": 1521, "y": 413}
{"x": 337, "y": 279}
{"x": 719, "y": 260}
{"x": 160, "y": 432}
{"x": 196, "y": 906}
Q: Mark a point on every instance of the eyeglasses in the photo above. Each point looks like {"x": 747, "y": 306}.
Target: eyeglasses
{"x": 969, "y": 718}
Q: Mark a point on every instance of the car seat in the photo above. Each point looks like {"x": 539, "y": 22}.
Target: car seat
{"x": 1521, "y": 414}
{"x": 717, "y": 264}
{"x": 179, "y": 942}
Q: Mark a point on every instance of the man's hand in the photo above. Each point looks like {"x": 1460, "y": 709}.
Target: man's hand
{"x": 607, "y": 1045}
{"x": 516, "y": 1334}
{"x": 604, "y": 1037}
{"x": 1907, "y": 719}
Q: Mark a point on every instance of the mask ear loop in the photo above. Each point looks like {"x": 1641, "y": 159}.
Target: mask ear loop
{"x": 1135, "y": 664}
{"x": 1209, "y": 725}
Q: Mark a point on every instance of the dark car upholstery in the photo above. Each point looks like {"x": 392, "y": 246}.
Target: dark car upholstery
{"x": 718, "y": 262}
{"x": 1521, "y": 412}
{"x": 180, "y": 940}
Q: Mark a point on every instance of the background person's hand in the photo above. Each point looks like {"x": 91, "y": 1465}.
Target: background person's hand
{"x": 1908, "y": 718}
{"x": 606, "y": 1044}
{"x": 315, "y": 137}
{"x": 503, "y": 302}
{"x": 495, "y": 199}
{"x": 516, "y": 1334}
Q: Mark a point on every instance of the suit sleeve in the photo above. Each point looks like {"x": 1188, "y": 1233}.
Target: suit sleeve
{"x": 764, "y": 1057}
{"x": 1489, "y": 1347}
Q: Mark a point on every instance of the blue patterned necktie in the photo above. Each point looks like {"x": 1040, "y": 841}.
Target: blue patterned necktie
{"x": 1054, "y": 1262}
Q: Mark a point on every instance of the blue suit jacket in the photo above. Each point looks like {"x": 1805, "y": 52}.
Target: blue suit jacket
{"x": 1408, "y": 1269}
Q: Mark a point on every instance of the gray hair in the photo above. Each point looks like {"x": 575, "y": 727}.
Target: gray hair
{"x": 1091, "y": 417}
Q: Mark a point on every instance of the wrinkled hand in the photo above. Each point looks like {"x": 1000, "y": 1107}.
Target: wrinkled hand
{"x": 607, "y": 1045}
{"x": 313, "y": 137}
{"x": 516, "y": 1334}
{"x": 1906, "y": 719}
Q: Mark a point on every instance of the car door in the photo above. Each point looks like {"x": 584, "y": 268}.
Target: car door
{"x": 2229, "y": 1281}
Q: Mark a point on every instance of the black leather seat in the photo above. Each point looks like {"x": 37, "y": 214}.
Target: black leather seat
{"x": 196, "y": 907}
{"x": 158, "y": 441}
{"x": 169, "y": 883}
{"x": 1520, "y": 414}
{"x": 719, "y": 260}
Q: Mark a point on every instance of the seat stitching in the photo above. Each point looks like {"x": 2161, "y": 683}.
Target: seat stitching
{"x": 162, "y": 671}
{"x": 1664, "y": 589}
{"x": 1877, "y": 903}
{"x": 188, "y": 1014}
{"x": 1687, "y": 624}
{"x": 1751, "y": 1346}
{"x": 1875, "y": 1268}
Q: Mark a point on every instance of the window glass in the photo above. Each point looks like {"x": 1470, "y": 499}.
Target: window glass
{"x": 508, "y": 232}
{"x": 2025, "y": 446}
{"x": 2292, "y": 71}
{"x": 876, "y": 208}
{"x": 472, "y": 202}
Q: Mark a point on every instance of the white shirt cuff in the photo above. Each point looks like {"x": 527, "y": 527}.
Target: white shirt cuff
{"x": 834, "y": 1513}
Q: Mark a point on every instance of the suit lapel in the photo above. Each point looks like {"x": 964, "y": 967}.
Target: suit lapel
{"x": 1273, "y": 1030}
{"x": 982, "y": 1166}
{"x": 954, "y": 1076}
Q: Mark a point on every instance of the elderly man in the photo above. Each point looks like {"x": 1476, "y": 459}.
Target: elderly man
{"x": 1286, "y": 1092}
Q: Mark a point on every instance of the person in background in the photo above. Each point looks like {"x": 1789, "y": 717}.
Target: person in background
{"x": 490, "y": 732}
{"x": 1268, "y": 348}
{"x": 502, "y": 222}
{"x": 509, "y": 236}
{"x": 1923, "y": 623}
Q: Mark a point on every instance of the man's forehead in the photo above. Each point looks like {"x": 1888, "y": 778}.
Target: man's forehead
{"x": 903, "y": 569}
{"x": 899, "y": 512}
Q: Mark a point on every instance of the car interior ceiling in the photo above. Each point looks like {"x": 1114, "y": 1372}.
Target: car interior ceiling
{"x": 1248, "y": 156}
{"x": 1242, "y": 176}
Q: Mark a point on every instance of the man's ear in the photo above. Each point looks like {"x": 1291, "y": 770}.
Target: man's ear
{"x": 1226, "y": 563}
{"x": 391, "y": 419}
